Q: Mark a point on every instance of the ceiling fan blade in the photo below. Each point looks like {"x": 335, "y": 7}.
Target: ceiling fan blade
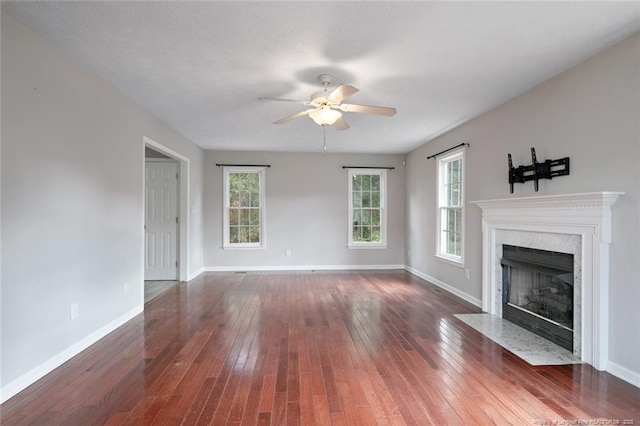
{"x": 296, "y": 115}
{"x": 340, "y": 124}
{"x": 268, "y": 98}
{"x": 368, "y": 109}
{"x": 341, "y": 92}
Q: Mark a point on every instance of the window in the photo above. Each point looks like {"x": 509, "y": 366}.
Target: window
{"x": 244, "y": 212}
{"x": 367, "y": 203}
{"x": 450, "y": 206}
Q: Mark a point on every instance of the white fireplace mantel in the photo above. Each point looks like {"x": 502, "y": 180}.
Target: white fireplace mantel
{"x": 586, "y": 215}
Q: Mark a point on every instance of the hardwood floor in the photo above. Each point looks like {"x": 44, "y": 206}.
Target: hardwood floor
{"x": 344, "y": 348}
{"x": 153, "y": 289}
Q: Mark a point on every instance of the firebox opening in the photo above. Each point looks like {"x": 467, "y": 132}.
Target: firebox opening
{"x": 538, "y": 292}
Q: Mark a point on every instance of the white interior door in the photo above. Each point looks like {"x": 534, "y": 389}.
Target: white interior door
{"x": 161, "y": 220}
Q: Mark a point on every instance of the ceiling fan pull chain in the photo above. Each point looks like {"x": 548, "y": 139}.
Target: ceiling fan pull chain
{"x": 324, "y": 139}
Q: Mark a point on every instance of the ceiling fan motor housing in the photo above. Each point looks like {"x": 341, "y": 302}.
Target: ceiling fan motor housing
{"x": 320, "y": 99}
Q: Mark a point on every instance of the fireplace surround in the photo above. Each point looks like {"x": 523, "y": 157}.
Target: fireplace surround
{"x": 577, "y": 224}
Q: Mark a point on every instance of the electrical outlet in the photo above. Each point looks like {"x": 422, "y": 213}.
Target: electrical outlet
{"x": 126, "y": 288}
{"x": 288, "y": 252}
{"x": 74, "y": 311}
{"x": 466, "y": 273}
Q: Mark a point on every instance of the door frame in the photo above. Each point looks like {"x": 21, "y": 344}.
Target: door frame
{"x": 183, "y": 205}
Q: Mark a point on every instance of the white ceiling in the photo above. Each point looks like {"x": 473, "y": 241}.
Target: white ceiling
{"x": 201, "y": 66}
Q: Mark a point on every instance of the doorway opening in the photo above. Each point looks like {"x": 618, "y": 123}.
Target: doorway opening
{"x": 165, "y": 258}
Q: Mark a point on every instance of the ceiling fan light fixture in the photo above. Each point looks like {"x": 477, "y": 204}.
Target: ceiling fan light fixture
{"x": 325, "y": 116}
{"x": 327, "y": 107}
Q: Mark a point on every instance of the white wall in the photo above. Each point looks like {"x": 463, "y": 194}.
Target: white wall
{"x": 306, "y": 202}
{"x": 72, "y": 205}
{"x": 590, "y": 113}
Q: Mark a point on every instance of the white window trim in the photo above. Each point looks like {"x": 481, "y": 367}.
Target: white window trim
{"x": 454, "y": 260}
{"x": 383, "y": 210}
{"x": 226, "y": 244}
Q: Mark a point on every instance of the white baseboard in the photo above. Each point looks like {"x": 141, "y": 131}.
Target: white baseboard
{"x": 22, "y": 382}
{"x": 445, "y": 286}
{"x": 195, "y": 274}
{"x": 299, "y": 268}
{"x": 624, "y": 373}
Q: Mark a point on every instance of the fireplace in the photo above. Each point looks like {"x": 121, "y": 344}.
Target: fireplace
{"x": 537, "y": 292}
{"x": 575, "y": 224}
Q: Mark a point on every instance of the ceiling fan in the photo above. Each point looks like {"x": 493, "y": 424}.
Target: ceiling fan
{"x": 326, "y": 106}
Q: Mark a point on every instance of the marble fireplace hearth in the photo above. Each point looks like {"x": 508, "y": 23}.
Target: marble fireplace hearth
{"x": 579, "y": 224}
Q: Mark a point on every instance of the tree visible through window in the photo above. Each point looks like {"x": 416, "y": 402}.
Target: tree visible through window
{"x": 451, "y": 201}
{"x": 367, "y": 189}
{"x": 244, "y": 207}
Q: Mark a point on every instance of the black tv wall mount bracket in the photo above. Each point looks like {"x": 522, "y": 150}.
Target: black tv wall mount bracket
{"x": 536, "y": 171}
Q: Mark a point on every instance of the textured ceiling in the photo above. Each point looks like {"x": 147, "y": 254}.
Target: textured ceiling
{"x": 201, "y": 66}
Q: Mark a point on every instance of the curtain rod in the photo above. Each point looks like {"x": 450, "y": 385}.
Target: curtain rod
{"x": 447, "y": 150}
{"x": 367, "y": 167}
{"x": 243, "y": 165}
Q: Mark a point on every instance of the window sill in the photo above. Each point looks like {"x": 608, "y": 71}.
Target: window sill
{"x": 244, "y": 247}
{"x": 454, "y": 262}
{"x": 367, "y": 246}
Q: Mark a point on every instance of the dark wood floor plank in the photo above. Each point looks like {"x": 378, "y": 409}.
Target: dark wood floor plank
{"x": 267, "y": 394}
{"x": 279, "y": 413}
{"x": 324, "y": 348}
{"x": 306, "y": 400}
{"x": 321, "y": 410}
